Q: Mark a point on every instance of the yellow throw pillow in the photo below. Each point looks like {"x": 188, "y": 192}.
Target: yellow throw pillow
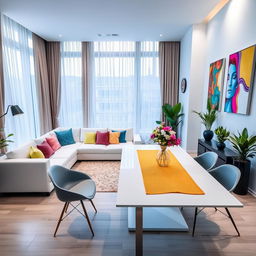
{"x": 35, "y": 153}
{"x": 114, "y": 137}
{"x": 90, "y": 137}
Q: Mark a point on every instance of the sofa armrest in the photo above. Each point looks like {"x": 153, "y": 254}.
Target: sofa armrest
{"x": 24, "y": 175}
{"x": 137, "y": 139}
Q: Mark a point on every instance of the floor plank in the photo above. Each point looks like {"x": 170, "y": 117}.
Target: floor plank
{"x": 27, "y": 225}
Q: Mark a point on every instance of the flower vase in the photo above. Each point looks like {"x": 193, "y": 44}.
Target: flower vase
{"x": 163, "y": 157}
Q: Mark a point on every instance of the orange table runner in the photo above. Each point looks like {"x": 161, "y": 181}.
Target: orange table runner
{"x": 161, "y": 180}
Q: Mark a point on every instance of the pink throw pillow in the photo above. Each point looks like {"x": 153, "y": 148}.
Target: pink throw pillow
{"x": 46, "y": 149}
{"x": 102, "y": 138}
{"x": 53, "y": 142}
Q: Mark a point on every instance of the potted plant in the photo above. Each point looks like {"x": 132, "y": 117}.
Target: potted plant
{"x": 172, "y": 114}
{"x": 208, "y": 119}
{"x": 4, "y": 142}
{"x": 165, "y": 136}
{"x": 222, "y": 135}
{"x": 245, "y": 146}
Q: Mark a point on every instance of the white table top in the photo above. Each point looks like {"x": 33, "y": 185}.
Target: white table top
{"x": 131, "y": 191}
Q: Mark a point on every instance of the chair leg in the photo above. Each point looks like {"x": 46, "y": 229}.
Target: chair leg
{"x": 87, "y": 217}
{"x": 60, "y": 219}
{"x": 215, "y": 209}
{"x": 67, "y": 207}
{"x": 232, "y": 220}
{"x": 194, "y": 225}
{"x": 93, "y": 205}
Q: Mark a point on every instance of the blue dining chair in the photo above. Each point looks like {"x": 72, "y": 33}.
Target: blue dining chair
{"x": 71, "y": 186}
{"x": 207, "y": 160}
{"x": 228, "y": 176}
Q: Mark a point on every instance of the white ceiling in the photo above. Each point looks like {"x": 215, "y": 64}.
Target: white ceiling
{"x": 82, "y": 20}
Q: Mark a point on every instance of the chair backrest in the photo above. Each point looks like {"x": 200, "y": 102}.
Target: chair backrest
{"x": 227, "y": 175}
{"x": 58, "y": 175}
{"x": 207, "y": 160}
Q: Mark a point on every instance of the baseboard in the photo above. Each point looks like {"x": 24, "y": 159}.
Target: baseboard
{"x": 252, "y": 192}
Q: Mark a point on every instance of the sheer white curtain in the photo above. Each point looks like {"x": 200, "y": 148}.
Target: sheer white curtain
{"x": 125, "y": 85}
{"x": 19, "y": 81}
{"x": 113, "y": 85}
{"x": 71, "y": 110}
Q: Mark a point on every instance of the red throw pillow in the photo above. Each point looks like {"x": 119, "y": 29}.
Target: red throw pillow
{"x": 53, "y": 142}
{"x": 46, "y": 149}
{"x": 102, "y": 138}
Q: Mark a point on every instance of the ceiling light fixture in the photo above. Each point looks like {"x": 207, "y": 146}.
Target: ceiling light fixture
{"x": 60, "y": 35}
{"x": 161, "y": 35}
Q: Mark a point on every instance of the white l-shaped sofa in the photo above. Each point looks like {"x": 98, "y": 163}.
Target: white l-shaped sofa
{"x": 21, "y": 174}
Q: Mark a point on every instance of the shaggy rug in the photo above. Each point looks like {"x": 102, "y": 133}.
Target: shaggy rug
{"x": 104, "y": 173}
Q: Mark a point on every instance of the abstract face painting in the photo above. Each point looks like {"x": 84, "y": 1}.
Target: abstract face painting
{"x": 240, "y": 81}
{"x": 216, "y": 78}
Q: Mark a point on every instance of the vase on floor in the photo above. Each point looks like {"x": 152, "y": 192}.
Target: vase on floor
{"x": 163, "y": 157}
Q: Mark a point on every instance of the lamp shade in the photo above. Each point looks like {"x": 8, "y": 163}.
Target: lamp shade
{"x": 16, "y": 110}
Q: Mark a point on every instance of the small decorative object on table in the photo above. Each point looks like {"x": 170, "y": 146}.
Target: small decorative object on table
{"x": 222, "y": 135}
{"x": 165, "y": 136}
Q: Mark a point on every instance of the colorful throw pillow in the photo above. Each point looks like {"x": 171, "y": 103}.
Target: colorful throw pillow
{"x": 65, "y": 137}
{"x": 90, "y": 137}
{"x": 35, "y": 153}
{"x": 53, "y": 142}
{"x": 122, "y": 138}
{"x": 114, "y": 137}
{"x": 102, "y": 138}
{"x": 46, "y": 149}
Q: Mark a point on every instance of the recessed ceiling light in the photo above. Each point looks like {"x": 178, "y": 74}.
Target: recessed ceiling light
{"x": 161, "y": 35}
{"x": 60, "y": 35}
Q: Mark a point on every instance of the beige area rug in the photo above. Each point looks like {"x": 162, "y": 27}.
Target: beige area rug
{"x": 104, "y": 173}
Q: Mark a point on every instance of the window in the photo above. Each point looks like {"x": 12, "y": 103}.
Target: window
{"x": 19, "y": 79}
{"x": 125, "y": 85}
{"x": 71, "y": 109}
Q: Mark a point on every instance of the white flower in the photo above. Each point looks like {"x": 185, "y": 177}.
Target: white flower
{"x": 163, "y": 132}
{"x": 167, "y": 137}
{"x": 172, "y": 132}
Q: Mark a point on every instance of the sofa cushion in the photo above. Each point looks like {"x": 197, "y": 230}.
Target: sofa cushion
{"x": 102, "y": 138}
{"x": 90, "y": 137}
{"x": 75, "y": 132}
{"x": 65, "y": 137}
{"x": 21, "y": 152}
{"x": 35, "y": 153}
{"x": 46, "y": 149}
{"x": 58, "y": 161}
{"x": 114, "y": 137}
{"x": 85, "y": 130}
{"x": 92, "y": 149}
{"x": 114, "y": 148}
{"x": 129, "y": 132}
{"x": 122, "y": 137}
{"x": 66, "y": 151}
{"x": 53, "y": 142}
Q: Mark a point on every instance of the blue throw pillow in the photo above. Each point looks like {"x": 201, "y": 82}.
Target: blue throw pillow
{"x": 65, "y": 137}
{"x": 122, "y": 138}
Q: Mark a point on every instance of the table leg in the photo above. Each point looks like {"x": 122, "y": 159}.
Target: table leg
{"x": 139, "y": 231}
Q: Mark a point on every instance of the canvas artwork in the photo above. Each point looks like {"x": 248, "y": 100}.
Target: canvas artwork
{"x": 216, "y": 80}
{"x": 240, "y": 81}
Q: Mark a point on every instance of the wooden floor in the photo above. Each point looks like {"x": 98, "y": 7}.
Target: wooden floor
{"x": 27, "y": 225}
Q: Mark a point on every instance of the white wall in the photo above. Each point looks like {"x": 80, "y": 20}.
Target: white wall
{"x": 185, "y": 64}
{"x": 192, "y": 62}
{"x": 231, "y": 30}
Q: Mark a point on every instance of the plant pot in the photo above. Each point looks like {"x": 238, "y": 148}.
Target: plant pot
{"x": 208, "y": 135}
{"x": 244, "y": 167}
{"x": 220, "y": 145}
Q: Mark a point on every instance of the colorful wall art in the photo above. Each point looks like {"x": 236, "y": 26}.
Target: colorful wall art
{"x": 240, "y": 81}
{"x": 216, "y": 81}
